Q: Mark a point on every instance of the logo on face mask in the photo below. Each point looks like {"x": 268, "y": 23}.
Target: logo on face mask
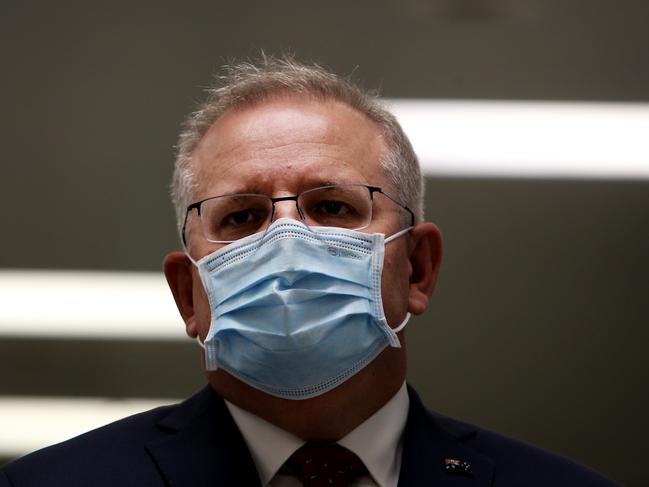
{"x": 336, "y": 252}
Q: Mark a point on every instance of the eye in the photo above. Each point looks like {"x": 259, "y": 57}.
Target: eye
{"x": 239, "y": 224}
{"x": 239, "y": 217}
{"x": 333, "y": 208}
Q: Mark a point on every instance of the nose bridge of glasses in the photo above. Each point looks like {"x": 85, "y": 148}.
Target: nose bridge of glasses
{"x": 286, "y": 207}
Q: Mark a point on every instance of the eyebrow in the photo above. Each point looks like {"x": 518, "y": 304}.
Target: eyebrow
{"x": 255, "y": 187}
{"x": 317, "y": 182}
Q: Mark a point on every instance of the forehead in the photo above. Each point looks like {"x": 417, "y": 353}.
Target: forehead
{"x": 288, "y": 144}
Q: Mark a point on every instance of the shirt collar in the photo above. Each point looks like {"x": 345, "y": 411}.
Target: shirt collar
{"x": 376, "y": 441}
{"x": 269, "y": 445}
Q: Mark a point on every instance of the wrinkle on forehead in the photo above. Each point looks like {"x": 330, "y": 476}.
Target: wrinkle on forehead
{"x": 303, "y": 120}
{"x": 283, "y": 134}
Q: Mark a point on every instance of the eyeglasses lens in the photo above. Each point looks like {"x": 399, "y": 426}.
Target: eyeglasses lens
{"x": 345, "y": 206}
{"x": 229, "y": 218}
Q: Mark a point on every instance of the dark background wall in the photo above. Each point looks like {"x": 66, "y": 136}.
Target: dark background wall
{"x": 539, "y": 325}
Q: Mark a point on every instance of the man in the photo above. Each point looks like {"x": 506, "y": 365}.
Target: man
{"x": 299, "y": 206}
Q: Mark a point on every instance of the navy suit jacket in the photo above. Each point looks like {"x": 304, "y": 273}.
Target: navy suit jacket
{"x": 196, "y": 443}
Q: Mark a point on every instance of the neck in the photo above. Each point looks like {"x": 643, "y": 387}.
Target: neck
{"x": 327, "y": 417}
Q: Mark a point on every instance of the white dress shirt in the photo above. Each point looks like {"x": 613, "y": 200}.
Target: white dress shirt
{"x": 377, "y": 442}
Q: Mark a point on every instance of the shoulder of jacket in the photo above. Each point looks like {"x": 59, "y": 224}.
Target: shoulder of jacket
{"x": 520, "y": 463}
{"x": 103, "y": 448}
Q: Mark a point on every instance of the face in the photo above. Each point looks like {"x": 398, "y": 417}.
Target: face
{"x": 281, "y": 147}
{"x": 286, "y": 146}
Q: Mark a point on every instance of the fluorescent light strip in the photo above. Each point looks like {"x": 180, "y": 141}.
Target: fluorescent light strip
{"x": 528, "y": 139}
{"x": 27, "y": 424}
{"x": 62, "y": 304}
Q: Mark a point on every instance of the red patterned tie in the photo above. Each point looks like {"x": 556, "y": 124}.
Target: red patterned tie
{"x": 328, "y": 465}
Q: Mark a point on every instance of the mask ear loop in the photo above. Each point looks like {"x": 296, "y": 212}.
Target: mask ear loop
{"x": 202, "y": 345}
{"x": 403, "y": 323}
{"x": 191, "y": 258}
{"x": 398, "y": 234}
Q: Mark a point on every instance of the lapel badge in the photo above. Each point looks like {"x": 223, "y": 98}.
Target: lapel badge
{"x": 457, "y": 467}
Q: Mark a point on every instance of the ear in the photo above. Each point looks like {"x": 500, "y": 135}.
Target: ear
{"x": 178, "y": 270}
{"x": 425, "y": 260}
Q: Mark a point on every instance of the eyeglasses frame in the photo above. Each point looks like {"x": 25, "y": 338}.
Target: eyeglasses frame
{"x": 371, "y": 189}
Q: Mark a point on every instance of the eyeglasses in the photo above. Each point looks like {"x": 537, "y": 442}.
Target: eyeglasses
{"x": 228, "y": 218}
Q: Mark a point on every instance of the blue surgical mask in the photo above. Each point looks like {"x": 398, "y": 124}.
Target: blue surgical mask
{"x": 296, "y": 311}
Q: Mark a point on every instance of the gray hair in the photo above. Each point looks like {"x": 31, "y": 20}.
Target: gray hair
{"x": 246, "y": 83}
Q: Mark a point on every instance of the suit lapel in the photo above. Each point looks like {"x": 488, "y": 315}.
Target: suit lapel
{"x": 203, "y": 446}
{"x": 427, "y": 445}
